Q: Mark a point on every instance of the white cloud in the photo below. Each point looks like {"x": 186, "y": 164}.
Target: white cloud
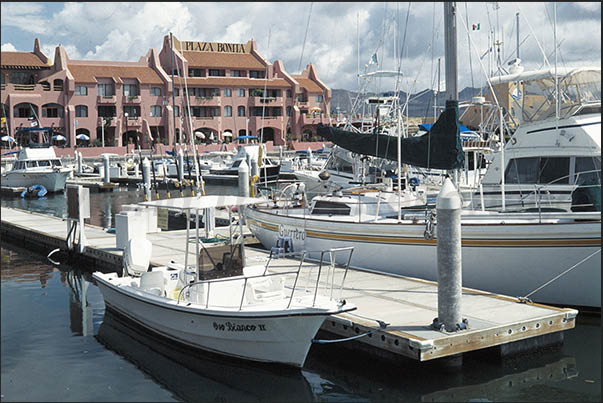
{"x": 8, "y": 47}
{"x": 25, "y": 16}
{"x": 126, "y": 31}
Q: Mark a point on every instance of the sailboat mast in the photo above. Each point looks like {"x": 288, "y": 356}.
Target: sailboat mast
{"x": 451, "y": 73}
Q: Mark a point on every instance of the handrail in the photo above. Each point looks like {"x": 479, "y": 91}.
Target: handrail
{"x": 297, "y": 272}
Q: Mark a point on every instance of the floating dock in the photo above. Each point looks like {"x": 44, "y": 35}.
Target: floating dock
{"x": 406, "y": 305}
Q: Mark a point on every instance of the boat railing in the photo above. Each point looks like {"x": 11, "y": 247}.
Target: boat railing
{"x": 328, "y": 279}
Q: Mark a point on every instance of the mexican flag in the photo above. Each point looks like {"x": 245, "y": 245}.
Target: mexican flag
{"x": 476, "y": 27}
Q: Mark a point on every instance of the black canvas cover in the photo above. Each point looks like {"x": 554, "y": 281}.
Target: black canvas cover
{"x": 440, "y": 148}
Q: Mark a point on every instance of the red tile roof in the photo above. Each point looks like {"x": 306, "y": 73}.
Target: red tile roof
{"x": 18, "y": 59}
{"x": 308, "y": 84}
{"x": 223, "y": 60}
{"x": 88, "y": 73}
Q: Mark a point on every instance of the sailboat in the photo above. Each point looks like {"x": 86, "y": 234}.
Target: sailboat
{"x": 551, "y": 257}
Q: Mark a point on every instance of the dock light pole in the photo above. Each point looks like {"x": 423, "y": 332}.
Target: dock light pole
{"x": 450, "y": 288}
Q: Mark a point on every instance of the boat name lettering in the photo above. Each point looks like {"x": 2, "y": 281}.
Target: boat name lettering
{"x": 294, "y": 233}
{"x": 234, "y": 327}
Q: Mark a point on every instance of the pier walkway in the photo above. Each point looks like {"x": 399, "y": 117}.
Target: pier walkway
{"x": 407, "y": 305}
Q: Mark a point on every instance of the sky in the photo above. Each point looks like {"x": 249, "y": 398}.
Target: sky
{"x": 339, "y": 38}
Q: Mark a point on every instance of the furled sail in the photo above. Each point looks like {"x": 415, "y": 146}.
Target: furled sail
{"x": 440, "y": 148}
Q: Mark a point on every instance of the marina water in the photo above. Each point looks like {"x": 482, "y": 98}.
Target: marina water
{"x": 59, "y": 344}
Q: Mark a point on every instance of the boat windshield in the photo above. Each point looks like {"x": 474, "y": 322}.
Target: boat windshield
{"x": 577, "y": 90}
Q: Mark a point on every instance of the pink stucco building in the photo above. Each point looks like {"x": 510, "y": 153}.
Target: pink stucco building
{"x": 233, "y": 91}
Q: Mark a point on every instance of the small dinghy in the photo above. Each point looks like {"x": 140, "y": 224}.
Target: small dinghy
{"x": 262, "y": 315}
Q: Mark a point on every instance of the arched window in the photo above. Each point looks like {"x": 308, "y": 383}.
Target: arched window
{"x": 81, "y": 111}
{"x": 241, "y": 111}
{"x": 25, "y": 110}
{"x": 228, "y": 111}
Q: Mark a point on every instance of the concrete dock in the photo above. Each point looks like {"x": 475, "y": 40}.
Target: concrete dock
{"x": 407, "y": 305}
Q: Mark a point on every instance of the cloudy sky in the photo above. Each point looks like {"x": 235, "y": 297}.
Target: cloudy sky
{"x": 338, "y": 38}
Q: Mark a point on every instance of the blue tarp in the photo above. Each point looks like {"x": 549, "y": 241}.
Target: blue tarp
{"x": 427, "y": 126}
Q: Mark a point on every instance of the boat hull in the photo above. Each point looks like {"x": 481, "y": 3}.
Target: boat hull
{"x": 52, "y": 181}
{"x": 508, "y": 259}
{"x": 269, "y": 337}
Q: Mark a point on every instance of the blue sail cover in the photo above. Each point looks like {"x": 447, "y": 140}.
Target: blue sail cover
{"x": 439, "y": 148}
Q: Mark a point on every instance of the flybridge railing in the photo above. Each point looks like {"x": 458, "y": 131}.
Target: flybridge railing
{"x": 274, "y": 282}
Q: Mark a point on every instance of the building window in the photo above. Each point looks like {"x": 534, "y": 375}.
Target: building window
{"x": 318, "y": 98}
{"x": 289, "y": 94}
{"x": 130, "y": 90}
{"x": 155, "y": 111}
{"x": 106, "y": 111}
{"x": 257, "y": 74}
{"x": 228, "y": 111}
{"x": 81, "y": 90}
{"x": 238, "y": 73}
{"x": 241, "y": 111}
{"x": 105, "y": 90}
{"x": 81, "y": 111}
{"x": 52, "y": 111}
{"x": 177, "y": 92}
{"x": 156, "y": 91}
{"x": 177, "y": 110}
{"x": 289, "y": 111}
{"x": 23, "y": 111}
{"x": 132, "y": 111}
{"x": 241, "y": 92}
{"x": 301, "y": 98}
{"x": 196, "y": 72}
{"x": 227, "y": 92}
{"x": 217, "y": 72}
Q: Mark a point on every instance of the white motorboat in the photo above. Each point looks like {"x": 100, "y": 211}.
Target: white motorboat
{"x": 550, "y": 162}
{"x": 507, "y": 253}
{"x": 37, "y": 164}
{"x": 252, "y": 316}
{"x": 253, "y": 154}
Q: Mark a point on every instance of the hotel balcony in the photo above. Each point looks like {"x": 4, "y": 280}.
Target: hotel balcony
{"x": 106, "y": 99}
{"x": 268, "y": 101}
{"x": 109, "y": 121}
{"x": 208, "y": 100}
{"x": 309, "y": 119}
{"x": 203, "y": 117}
{"x": 135, "y": 99}
{"x": 133, "y": 122}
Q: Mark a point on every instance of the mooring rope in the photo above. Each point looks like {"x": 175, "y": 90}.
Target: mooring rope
{"x": 526, "y": 298}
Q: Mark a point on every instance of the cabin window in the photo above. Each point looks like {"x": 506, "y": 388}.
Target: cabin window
{"x": 56, "y": 163}
{"x": 44, "y": 163}
{"x": 542, "y": 170}
{"x": 554, "y": 170}
{"x": 18, "y": 165}
{"x": 236, "y": 164}
{"x": 330, "y": 208}
{"x": 588, "y": 171}
{"x": 32, "y": 164}
{"x": 522, "y": 170}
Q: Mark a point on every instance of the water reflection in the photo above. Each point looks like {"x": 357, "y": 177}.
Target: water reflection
{"x": 194, "y": 375}
{"x": 80, "y": 310}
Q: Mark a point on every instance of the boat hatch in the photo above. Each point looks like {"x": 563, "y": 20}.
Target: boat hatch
{"x": 330, "y": 208}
